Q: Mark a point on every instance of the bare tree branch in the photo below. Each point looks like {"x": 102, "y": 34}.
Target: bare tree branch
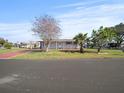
{"x": 47, "y": 28}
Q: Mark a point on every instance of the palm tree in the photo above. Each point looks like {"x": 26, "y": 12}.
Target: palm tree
{"x": 88, "y": 42}
{"x": 80, "y": 39}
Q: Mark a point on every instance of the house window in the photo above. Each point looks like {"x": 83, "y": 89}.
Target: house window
{"x": 68, "y": 43}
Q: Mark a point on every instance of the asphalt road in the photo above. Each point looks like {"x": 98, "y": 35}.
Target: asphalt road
{"x": 62, "y": 76}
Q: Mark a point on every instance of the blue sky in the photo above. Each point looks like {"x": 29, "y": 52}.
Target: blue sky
{"x": 17, "y": 16}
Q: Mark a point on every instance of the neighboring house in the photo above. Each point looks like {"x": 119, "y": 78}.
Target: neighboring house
{"x": 1, "y": 46}
{"x": 33, "y": 44}
{"x": 60, "y": 44}
{"x": 23, "y": 45}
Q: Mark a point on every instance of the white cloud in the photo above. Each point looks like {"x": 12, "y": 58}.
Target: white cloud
{"x": 99, "y": 10}
{"x": 16, "y": 32}
{"x": 81, "y": 18}
{"x": 84, "y": 19}
{"x": 16, "y": 26}
{"x": 79, "y": 4}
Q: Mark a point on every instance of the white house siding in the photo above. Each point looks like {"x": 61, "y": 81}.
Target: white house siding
{"x": 60, "y": 44}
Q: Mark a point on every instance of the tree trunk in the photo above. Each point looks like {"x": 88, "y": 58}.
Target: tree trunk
{"x": 47, "y": 46}
{"x": 120, "y": 44}
{"x": 81, "y": 48}
{"x": 99, "y": 49}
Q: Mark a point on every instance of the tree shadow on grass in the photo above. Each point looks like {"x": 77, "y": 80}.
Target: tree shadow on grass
{"x": 76, "y": 51}
{"x": 64, "y": 50}
{"x": 37, "y": 50}
{"x": 86, "y": 51}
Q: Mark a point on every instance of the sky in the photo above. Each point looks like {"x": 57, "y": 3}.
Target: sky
{"x": 75, "y": 16}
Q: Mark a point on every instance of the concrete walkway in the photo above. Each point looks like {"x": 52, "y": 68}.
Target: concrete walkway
{"x": 12, "y": 54}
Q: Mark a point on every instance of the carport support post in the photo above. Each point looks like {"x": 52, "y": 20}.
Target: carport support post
{"x": 72, "y": 44}
{"x": 56, "y": 45}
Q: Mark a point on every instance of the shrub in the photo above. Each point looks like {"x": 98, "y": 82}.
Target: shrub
{"x": 123, "y": 49}
{"x": 8, "y": 45}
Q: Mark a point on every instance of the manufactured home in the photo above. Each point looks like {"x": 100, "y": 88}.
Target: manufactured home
{"x": 60, "y": 44}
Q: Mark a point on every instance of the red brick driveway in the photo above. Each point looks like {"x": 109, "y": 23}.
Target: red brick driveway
{"x": 12, "y": 54}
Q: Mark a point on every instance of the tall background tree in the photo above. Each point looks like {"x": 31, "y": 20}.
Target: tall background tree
{"x": 80, "y": 39}
{"x": 93, "y": 38}
{"x": 47, "y": 28}
{"x": 110, "y": 34}
{"x": 2, "y": 41}
{"x": 102, "y": 36}
{"x": 119, "y": 29}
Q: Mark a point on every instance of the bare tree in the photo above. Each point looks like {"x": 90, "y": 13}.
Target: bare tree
{"x": 47, "y": 28}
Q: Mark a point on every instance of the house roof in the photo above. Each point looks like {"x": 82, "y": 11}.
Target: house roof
{"x": 61, "y": 40}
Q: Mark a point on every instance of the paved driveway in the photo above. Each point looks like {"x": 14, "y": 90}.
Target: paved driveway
{"x": 13, "y": 54}
{"x": 62, "y": 76}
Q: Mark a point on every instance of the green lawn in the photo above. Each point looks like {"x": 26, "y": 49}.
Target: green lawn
{"x": 90, "y": 53}
{"x": 9, "y": 50}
